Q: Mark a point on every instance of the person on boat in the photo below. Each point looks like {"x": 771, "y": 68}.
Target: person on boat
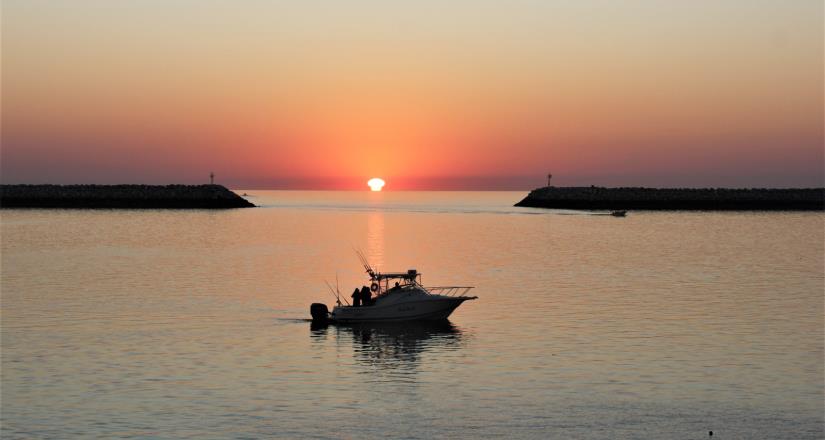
{"x": 356, "y": 298}
{"x": 366, "y": 296}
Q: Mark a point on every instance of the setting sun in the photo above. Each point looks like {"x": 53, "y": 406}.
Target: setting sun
{"x": 376, "y": 184}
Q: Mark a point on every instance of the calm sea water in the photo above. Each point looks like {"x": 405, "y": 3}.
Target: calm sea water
{"x": 191, "y": 324}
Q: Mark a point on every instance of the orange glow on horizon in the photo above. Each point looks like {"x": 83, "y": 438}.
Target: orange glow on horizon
{"x": 728, "y": 94}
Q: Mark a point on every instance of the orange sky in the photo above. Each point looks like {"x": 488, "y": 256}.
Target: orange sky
{"x": 469, "y": 95}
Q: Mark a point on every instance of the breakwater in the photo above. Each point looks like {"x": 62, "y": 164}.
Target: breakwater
{"x": 120, "y": 197}
{"x": 708, "y": 199}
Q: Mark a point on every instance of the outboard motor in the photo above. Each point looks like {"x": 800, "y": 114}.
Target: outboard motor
{"x": 319, "y": 312}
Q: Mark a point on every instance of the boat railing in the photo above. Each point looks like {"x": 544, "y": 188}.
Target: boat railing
{"x": 450, "y": 290}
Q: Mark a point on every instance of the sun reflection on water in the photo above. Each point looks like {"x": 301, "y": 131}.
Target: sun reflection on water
{"x": 375, "y": 239}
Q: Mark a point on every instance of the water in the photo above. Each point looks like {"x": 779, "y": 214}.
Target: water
{"x": 190, "y": 324}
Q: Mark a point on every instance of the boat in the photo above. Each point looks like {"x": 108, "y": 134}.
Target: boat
{"x": 395, "y": 297}
{"x": 618, "y": 213}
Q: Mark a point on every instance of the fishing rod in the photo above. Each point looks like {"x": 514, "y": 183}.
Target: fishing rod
{"x": 337, "y": 290}
{"x": 365, "y": 262}
{"x": 337, "y": 295}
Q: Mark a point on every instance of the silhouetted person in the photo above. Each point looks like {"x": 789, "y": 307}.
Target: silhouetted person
{"x": 356, "y": 298}
{"x": 366, "y": 296}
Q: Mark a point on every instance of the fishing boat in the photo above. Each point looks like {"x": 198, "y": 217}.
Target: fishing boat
{"x": 395, "y": 297}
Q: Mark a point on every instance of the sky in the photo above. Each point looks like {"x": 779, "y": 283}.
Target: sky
{"x": 461, "y": 94}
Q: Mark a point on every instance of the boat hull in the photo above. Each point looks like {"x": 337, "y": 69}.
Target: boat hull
{"x": 430, "y": 309}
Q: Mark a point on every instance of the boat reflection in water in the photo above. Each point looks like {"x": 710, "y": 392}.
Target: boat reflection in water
{"x": 394, "y": 345}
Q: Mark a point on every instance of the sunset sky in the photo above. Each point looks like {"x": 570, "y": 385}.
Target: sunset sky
{"x": 463, "y": 94}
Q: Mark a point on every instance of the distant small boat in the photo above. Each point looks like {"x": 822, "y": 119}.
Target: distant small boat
{"x": 618, "y": 213}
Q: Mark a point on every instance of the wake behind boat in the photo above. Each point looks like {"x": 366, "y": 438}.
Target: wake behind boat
{"x": 394, "y": 297}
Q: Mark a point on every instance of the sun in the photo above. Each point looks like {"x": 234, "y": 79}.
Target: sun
{"x": 375, "y": 184}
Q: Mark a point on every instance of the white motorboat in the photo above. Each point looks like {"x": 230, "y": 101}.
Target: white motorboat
{"x": 396, "y": 296}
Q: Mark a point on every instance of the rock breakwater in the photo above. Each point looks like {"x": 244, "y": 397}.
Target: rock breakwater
{"x": 708, "y": 199}
{"x": 120, "y": 197}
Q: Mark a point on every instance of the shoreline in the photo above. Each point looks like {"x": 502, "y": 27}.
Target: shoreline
{"x": 676, "y": 199}
{"x": 120, "y": 197}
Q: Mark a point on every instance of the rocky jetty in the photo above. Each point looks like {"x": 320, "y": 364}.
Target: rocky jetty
{"x": 707, "y": 199}
{"x": 120, "y": 197}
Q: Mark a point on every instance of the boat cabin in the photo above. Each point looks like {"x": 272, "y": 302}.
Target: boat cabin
{"x": 383, "y": 283}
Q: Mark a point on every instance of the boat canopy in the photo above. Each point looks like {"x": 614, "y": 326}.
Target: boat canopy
{"x": 409, "y": 275}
